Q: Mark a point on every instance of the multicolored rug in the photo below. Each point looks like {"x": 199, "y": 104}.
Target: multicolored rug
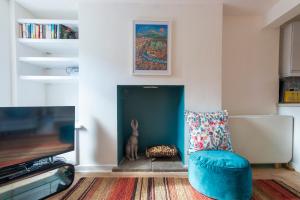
{"x": 273, "y": 190}
{"x": 164, "y": 189}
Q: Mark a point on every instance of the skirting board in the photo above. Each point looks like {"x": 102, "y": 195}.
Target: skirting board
{"x": 94, "y": 168}
{"x": 295, "y": 166}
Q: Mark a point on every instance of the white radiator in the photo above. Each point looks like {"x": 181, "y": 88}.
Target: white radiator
{"x": 263, "y": 139}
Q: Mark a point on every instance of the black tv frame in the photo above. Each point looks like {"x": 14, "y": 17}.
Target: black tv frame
{"x": 43, "y": 157}
{"x": 47, "y": 168}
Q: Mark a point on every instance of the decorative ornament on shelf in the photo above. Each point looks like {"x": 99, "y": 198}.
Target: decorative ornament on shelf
{"x": 68, "y": 33}
{"x": 132, "y": 144}
{"x": 72, "y": 70}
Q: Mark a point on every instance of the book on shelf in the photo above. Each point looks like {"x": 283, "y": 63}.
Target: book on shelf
{"x": 46, "y": 31}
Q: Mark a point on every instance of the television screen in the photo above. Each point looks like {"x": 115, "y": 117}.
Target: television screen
{"x": 29, "y": 133}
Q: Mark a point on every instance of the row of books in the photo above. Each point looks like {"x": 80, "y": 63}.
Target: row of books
{"x": 46, "y": 31}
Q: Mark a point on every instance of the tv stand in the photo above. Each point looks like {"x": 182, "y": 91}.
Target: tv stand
{"x": 36, "y": 180}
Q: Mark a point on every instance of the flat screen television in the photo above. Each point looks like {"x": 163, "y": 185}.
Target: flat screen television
{"x": 31, "y": 133}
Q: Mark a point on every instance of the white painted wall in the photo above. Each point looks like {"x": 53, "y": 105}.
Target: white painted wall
{"x": 250, "y": 66}
{"x": 5, "y": 74}
{"x": 106, "y": 60}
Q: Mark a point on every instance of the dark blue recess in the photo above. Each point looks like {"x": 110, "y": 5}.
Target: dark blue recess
{"x": 159, "y": 111}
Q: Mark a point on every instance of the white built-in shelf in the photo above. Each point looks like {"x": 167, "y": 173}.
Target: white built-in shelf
{"x": 51, "y": 79}
{"x": 78, "y": 125}
{"x": 73, "y": 24}
{"x": 50, "y": 62}
{"x": 55, "y": 46}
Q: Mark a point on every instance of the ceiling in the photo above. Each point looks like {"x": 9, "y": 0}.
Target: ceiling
{"x": 247, "y": 7}
{"x": 68, "y": 8}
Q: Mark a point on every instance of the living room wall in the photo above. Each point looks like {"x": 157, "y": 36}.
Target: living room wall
{"x": 250, "y": 66}
{"x": 106, "y": 60}
{"x": 5, "y": 75}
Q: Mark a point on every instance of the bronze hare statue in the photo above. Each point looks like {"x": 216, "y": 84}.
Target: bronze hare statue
{"x": 132, "y": 144}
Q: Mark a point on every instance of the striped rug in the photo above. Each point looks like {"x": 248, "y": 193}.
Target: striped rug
{"x": 164, "y": 188}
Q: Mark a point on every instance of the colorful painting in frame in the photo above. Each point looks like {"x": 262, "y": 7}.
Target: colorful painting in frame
{"x": 152, "y": 48}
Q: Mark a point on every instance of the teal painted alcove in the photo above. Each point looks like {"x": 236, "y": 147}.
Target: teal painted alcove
{"x": 159, "y": 111}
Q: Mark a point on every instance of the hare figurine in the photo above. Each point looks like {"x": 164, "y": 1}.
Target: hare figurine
{"x": 132, "y": 144}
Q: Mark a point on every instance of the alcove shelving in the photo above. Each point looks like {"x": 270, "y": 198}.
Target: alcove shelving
{"x": 50, "y": 62}
{"x": 32, "y": 34}
{"x": 49, "y": 79}
{"x": 54, "y": 46}
{"x": 46, "y": 67}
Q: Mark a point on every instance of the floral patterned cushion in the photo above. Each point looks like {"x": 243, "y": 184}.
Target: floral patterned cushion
{"x": 208, "y": 131}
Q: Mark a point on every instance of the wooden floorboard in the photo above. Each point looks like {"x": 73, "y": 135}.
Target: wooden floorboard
{"x": 291, "y": 178}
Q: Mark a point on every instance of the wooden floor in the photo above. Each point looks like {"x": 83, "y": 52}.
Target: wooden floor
{"x": 291, "y": 178}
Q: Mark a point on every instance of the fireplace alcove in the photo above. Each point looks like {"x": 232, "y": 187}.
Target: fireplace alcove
{"x": 159, "y": 110}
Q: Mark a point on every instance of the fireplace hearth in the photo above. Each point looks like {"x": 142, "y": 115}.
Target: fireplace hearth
{"x": 144, "y": 164}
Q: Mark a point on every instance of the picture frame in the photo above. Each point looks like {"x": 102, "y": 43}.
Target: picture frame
{"x": 151, "y": 48}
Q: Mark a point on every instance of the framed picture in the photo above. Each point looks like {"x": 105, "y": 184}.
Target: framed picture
{"x": 151, "y": 48}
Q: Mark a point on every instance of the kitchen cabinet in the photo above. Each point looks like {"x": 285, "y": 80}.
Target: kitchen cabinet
{"x": 290, "y": 50}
